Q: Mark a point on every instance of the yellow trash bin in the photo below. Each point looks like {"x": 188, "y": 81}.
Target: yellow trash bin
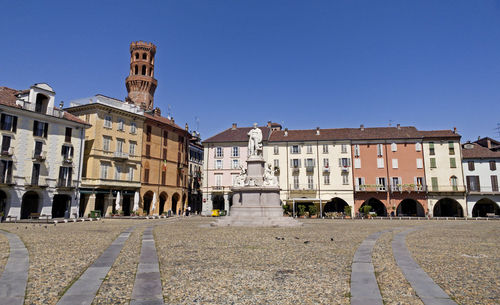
{"x": 215, "y": 213}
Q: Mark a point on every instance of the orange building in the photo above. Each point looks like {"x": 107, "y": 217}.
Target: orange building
{"x": 388, "y": 171}
{"x": 164, "y": 166}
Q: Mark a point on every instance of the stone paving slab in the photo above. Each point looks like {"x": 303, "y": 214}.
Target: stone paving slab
{"x": 15, "y": 275}
{"x": 147, "y": 286}
{"x": 426, "y": 289}
{"x": 83, "y": 291}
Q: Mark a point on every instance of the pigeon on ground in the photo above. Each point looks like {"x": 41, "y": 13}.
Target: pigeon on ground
{"x": 306, "y": 242}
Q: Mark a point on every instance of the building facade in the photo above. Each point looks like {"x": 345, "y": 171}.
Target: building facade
{"x": 481, "y": 166}
{"x": 112, "y": 156}
{"x": 195, "y": 180}
{"x": 41, "y": 155}
{"x": 164, "y": 178}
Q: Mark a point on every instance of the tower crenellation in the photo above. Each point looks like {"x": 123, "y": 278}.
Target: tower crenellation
{"x": 141, "y": 84}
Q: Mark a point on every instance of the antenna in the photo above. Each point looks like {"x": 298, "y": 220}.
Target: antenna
{"x": 197, "y": 120}
{"x": 498, "y": 130}
{"x": 169, "y": 108}
{"x": 390, "y": 122}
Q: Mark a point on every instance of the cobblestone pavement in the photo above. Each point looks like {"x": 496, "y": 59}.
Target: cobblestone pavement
{"x": 463, "y": 258}
{"x": 4, "y": 252}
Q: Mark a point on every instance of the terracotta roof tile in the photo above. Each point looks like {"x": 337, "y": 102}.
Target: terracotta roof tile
{"x": 478, "y": 152}
{"x": 238, "y": 134}
{"x": 163, "y": 120}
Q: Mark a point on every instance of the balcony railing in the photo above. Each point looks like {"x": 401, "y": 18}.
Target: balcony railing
{"x": 408, "y": 188}
{"x": 326, "y": 169}
{"x": 345, "y": 169}
{"x": 371, "y": 188}
{"x": 483, "y": 189}
{"x": 56, "y": 112}
{"x": 309, "y": 168}
{"x": 64, "y": 183}
{"x": 119, "y": 155}
{"x": 302, "y": 187}
{"x": 35, "y": 182}
{"x": 67, "y": 159}
{"x": 8, "y": 152}
{"x": 447, "y": 188}
{"x": 40, "y": 155}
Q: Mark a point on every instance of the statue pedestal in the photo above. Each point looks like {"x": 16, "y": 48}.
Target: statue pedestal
{"x": 255, "y": 204}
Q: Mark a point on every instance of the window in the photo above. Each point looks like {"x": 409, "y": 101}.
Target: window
{"x": 235, "y": 152}
{"x": 309, "y": 162}
{"x": 64, "y": 176}
{"x": 165, "y": 138}
{"x": 310, "y": 182}
{"x": 131, "y": 148}
{"x": 471, "y": 165}
{"x": 67, "y": 135}
{"x": 276, "y": 164}
{"x": 360, "y": 184}
{"x": 343, "y": 148}
{"x": 295, "y": 163}
{"x": 67, "y": 152}
{"x": 146, "y": 175}
{"x": 418, "y": 146}
{"x": 8, "y": 122}
{"x": 434, "y": 182}
{"x": 309, "y": 149}
{"x": 419, "y": 183}
{"x": 119, "y": 145}
{"x": 235, "y": 163}
{"x": 396, "y": 184}
{"x": 380, "y": 162}
{"x": 295, "y": 149}
{"x": 276, "y": 150}
{"x": 433, "y": 162}
{"x": 133, "y": 127}
{"x": 356, "y": 150}
{"x": 431, "y": 149}
{"x": 218, "y": 164}
{"x": 130, "y": 174}
{"x": 493, "y": 165}
{"x": 219, "y": 153}
{"x": 163, "y": 177}
{"x": 454, "y": 183}
{"x": 6, "y": 145}
{"x": 107, "y": 121}
{"x": 494, "y": 183}
{"x": 40, "y": 129}
{"x": 394, "y": 163}
{"x": 453, "y": 163}
{"x": 233, "y": 179}
{"x": 218, "y": 179}
{"x": 121, "y": 124}
{"x": 144, "y": 56}
{"x": 345, "y": 179}
{"x": 420, "y": 163}
{"x": 326, "y": 162}
{"x": 394, "y": 147}
{"x": 38, "y": 149}
{"x": 357, "y": 163}
{"x": 164, "y": 154}
{"x": 148, "y": 133}
{"x": 118, "y": 171}
{"x": 325, "y": 148}
{"x": 345, "y": 162}
{"x": 451, "y": 148}
{"x": 295, "y": 182}
{"x": 104, "y": 170}
{"x": 326, "y": 179}
{"x": 106, "y": 143}
{"x": 35, "y": 174}
{"x": 5, "y": 171}
{"x": 380, "y": 150}
{"x": 87, "y": 118}
{"x": 381, "y": 184}
{"x": 148, "y": 150}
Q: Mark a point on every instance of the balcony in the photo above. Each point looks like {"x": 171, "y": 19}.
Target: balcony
{"x": 309, "y": 168}
{"x": 345, "y": 170}
{"x": 180, "y": 166}
{"x": 65, "y": 184}
{"x": 408, "y": 188}
{"x": 35, "y": 182}
{"x": 67, "y": 160}
{"x": 371, "y": 188}
{"x": 326, "y": 169}
{"x": 56, "y": 112}
{"x": 217, "y": 189}
{"x": 9, "y": 152}
{"x": 39, "y": 155}
{"x": 120, "y": 156}
{"x": 295, "y": 170}
{"x": 446, "y": 189}
{"x": 483, "y": 190}
{"x": 7, "y": 180}
{"x": 302, "y": 190}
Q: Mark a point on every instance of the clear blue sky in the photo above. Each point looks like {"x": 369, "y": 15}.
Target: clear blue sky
{"x": 432, "y": 64}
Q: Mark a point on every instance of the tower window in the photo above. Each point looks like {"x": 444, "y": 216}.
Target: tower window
{"x": 136, "y": 70}
{"x": 143, "y": 70}
{"x": 136, "y": 55}
{"x": 144, "y": 56}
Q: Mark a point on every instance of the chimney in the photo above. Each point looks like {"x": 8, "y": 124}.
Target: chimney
{"x": 362, "y": 127}
{"x": 186, "y": 127}
{"x": 61, "y": 105}
{"x": 268, "y": 124}
{"x": 234, "y": 126}
{"x": 478, "y": 138}
{"x": 172, "y": 119}
{"x": 488, "y": 143}
{"x": 286, "y": 132}
{"x": 454, "y": 130}
{"x": 157, "y": 111}
{"x": 398, "y": 126}
{"x": 317, "y": 131}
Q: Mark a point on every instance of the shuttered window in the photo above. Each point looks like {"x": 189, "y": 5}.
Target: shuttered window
{"x": 494, "y": 183}
{"x": 493, "y": 165}
{"x": 433, "y": 162}
{"x": 420, "y": 163}
{"x": 434, "y": 181}
{"x": 471, "y": 166}
{"x": 451, "y": 148}
{"x": 453, "y": 163}
{"x": 380, "y": 162}
{"x": 431, "y": 149}
{"x": 394, "y": 163}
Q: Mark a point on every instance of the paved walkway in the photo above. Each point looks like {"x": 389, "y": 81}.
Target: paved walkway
{"x": 147, "y": 286}
{"x": 83, "y": 291}
{"x": 15, "y": 275}
{"x": 364, "y": 287}
{"x": 428, "y": 291}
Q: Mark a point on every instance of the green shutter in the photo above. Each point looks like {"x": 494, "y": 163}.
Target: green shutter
{"x": 453, "y": 164}
{"x": 434, "y": 183}
{"x": 450, "y": 144}
{"x": 431, "y": 144}
{"x": 433, "y": 162}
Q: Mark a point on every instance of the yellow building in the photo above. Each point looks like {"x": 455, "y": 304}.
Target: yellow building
{"x": 164, "y": 165}
{"x": 112, "y": 155}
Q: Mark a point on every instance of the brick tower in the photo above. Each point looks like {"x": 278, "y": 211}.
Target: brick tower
{"x": 141, "y": 84}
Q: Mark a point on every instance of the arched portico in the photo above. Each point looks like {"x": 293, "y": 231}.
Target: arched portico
{"x": 163, "y": 200}
{"x": 146, "y": 202}
{"x": 485, "y": 206}
{"x": 447, "y": 207}
{"x": 175, "y": 201}
{"x": 3, "y": 203}
{"x": 29, "y": 204}
{"x": 336, "y": 205}
{"x": 410, "y": 207}
{"x": 377, "y": 206}
{"x": 60, "y": 204}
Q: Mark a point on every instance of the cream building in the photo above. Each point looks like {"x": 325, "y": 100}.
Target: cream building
{"x": 40, "y": 162}
{"x": 112, "y": 157}
{"x": 444, "y": 173}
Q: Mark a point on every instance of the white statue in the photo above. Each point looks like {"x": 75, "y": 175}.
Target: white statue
{"x": 255, "y": 141}
{"x": 242, "y": 177}
{"x": 269, "y": 177}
